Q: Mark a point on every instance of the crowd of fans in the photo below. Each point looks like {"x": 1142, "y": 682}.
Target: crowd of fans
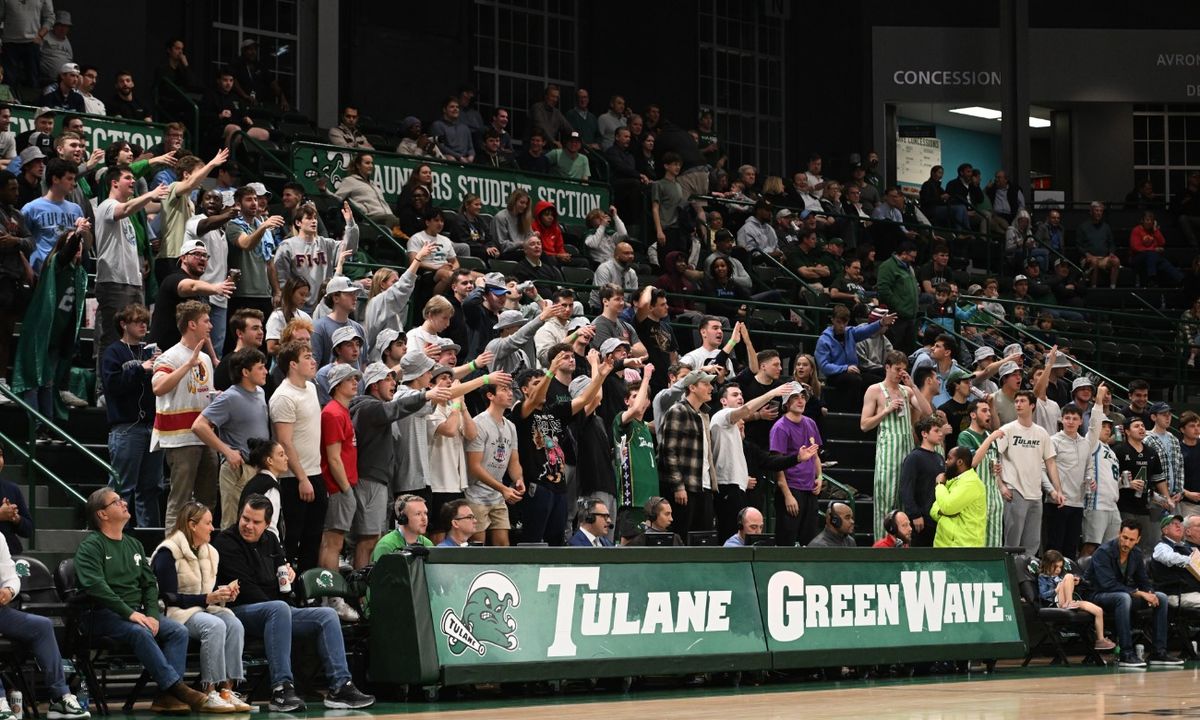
{"x": 291, "y": 416}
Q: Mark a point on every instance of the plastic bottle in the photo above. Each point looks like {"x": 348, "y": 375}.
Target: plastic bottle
{"x": 84, "y": 696}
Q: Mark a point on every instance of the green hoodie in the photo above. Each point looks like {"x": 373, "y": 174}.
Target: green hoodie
{"x": 897, "y": 286}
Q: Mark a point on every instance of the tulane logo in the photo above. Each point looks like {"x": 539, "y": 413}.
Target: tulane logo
{"x": 22, "y": 568}
{"x": 485, "y": 618}
{"x": 325, "y": 580}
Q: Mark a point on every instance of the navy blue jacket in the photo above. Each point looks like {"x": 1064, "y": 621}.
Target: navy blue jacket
{"x": 127, "y": 392}
{"x": 1104, "y": 574}
{"x": 580, "y": 540}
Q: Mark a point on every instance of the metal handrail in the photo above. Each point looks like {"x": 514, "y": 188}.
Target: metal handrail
{"x": 192, "y": 106}
{"x": 32, "y": 464}
{"x": 264, "y": 151}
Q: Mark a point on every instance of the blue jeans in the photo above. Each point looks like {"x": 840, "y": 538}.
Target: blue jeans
{"x": 544, "y": 515}
{"x": 1122, "y": 605}
{"x": 163, "y": 655}
{"x": 220, "y": 324}
{"x": 275, "y": 621}
{"x": 139, "y": 471}
{"x": 222, "y": 638}
{"x": 1150, "y": 264}
{"x": 37, "y": 633}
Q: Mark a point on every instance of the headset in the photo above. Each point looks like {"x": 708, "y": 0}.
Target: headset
{"x": 741, "y": 517}
{"x": 889, "y": 522}
{"x": 401, "y": 504}
{"x": 835, "y": 520}
{"x": 587, "y": 509}
{"x": 652, "y": 506}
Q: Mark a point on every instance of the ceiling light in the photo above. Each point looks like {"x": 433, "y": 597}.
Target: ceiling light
{"x": 979, "y": 112}
{"x": 1038, "y": 122}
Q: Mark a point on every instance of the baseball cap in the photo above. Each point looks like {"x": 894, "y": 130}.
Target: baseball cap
{"x": 610, "y": 345}
{"x": 1168, "y": 519}
{"x": 1020, "y": 278}
{"x": 835, "y": 241}
{"x": 414, "y": 365}
{"x": 509, "y": 318}
{"x": 696, "y": 376}
{"x": 341, "y": 284}
{"x": 248, "y": 42}
{"x": 983, "y": 353}
{"x": 1081, "y": 382}
{"x": 375, "y": 372}
{"x": 409, "y": 122}
{"x": 32, "y": 153}
{"x": 193, "y": 246}
{"x": 1008, "y": 368}
{"x": 1159, "y": 407}
{"x": 1060, "y": 261}
{"x": 495, "y": 282}
{"x": 1031, "y": 261}
{"x": 68, "y": 68}
{"x": 340, "y": 372}
{"x": 958, "y": 375}
{"x": 577, "y": 323}
{"x": 259, "y": 189}
{"x": 345, "y": 333}
{"x": 574, "y": 135}
{"x": 43, "y": 111}
{"x": 783, "y": 214}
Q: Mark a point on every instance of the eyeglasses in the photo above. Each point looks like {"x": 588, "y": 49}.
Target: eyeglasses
{"x": 114, "y": 502}
{"x": 465, "y": 517}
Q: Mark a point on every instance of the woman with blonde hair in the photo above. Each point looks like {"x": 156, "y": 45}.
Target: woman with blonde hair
{"x": 772, "y": 190}
{"x": 185, "y": 565}
{"x": 514, "y": 224}
{"x": 804, "y": 370}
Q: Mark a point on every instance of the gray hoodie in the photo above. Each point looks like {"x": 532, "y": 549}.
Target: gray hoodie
{"x": 371, "y": 417}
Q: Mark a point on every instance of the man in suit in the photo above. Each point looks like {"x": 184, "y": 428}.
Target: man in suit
{"x": 595, "y": 523}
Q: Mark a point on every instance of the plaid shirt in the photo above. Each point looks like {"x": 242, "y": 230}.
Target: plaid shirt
{"x": 682, "y": 442}
{"x": 1170, "y": 454}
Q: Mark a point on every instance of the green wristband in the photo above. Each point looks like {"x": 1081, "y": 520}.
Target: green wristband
{"x": 487, "y": 379}
{"x": 471, "y": 366}
{"x": 549, "y": 373}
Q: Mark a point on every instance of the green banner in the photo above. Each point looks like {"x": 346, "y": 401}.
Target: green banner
{"x": 99, "y": 131}
{"x": 451, "y": 181}
{"x": 813, "y": 606}
{"x": 524, "y": 613}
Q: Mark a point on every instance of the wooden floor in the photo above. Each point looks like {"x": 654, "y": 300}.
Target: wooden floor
{"x": 1029, "y": 695}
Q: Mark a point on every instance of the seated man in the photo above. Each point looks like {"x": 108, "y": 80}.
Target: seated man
{"x": 659, "y": 518}
{"x": 749, "y": 522}
{"x": 458, "y": 517}
{"x": 839, "y": 527}
{"x": 594, "y": 524}
{"x": 36, "y": 634}
{"x": 113, "y": 571}
{"x": 1119, "y": 584}
{"x": 1170, "y": 561}
{"x": 412, "y": 521}
{"x": 254, "y": 557}
{"x": 898, "y": 528}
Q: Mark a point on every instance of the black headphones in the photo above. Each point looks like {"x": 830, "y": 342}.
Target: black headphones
{"x": 588, "y": 508}
{"x": 834, "y": 519}
{"x": 889, "y": 522}
{"x": 401, "y": 516}
{"x": 652, "y": 506}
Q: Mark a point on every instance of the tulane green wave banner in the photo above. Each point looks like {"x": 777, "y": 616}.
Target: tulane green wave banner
{"x": 451, "y": 181}
{"x": 481, "y": 615}
{"x": 99, "y": 131}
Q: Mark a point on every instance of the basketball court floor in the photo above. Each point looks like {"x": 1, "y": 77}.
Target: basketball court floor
{"x": 1017, "y": 693}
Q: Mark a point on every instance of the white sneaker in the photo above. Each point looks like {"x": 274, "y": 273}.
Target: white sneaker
{"x": 214, "y": 703}
{"x": 6, "y": 712}
{"x": 72, "y": 400}
{"x": 101, "y": 401}
{"x": 344, "y": 612}
{"x": 67, "y": 708}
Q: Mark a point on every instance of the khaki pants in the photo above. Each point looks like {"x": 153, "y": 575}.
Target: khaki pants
{"x": 232, "y": 483}
{"x": 193, "y": 475}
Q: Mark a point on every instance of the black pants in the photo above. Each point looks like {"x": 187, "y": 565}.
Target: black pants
{"x": 696, "y": 515}
{"x": 924, "y": 538}
{"x": 798, "y": 530}
{"x": 303, "y": 522}
{"x": 1061, "y": 529}
{"x": 264, "y": 305}
{"x": 730, "y": 501}
{"x": 847, "y": 392}
{"x": 903, "y": 335}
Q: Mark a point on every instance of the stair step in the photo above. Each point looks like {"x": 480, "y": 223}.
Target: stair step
{"x": 59, "y": 541}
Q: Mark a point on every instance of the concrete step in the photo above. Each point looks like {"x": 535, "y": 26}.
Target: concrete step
{"x": 59, "y": 541}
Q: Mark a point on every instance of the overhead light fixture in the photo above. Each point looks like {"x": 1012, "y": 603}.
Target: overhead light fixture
{"x": 979, "y": 112}
{"x": 989, "y": 114}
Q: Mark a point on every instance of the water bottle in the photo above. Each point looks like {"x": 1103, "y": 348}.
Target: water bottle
{"x": 83, "y": 696}
{"x": 16, "y": 704}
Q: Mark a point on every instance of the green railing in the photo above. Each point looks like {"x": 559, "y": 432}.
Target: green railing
{"x": 34, "y": 467}
{"x": 186, "y": 103}
{"x": 262, "y": 152}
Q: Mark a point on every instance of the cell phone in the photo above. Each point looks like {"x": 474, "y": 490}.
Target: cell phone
{"x": 152, "y": 347}
{"x": 235, "y": 275}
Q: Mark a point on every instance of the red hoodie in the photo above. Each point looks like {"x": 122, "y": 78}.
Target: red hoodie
{"x": 552, "y": 237}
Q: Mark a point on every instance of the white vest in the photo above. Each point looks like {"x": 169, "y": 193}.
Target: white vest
{"x": 196, "y": 572}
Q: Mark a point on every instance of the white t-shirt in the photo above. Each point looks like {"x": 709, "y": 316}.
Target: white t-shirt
{"x": 276, "y": 323}
{"x": 1025, "y": 451}
{"x": 299, "y": 406}
{"x": 700, "y": 357}
{"x": 218, "y": 255}
{"x": 727, "y": 450}
{"x": 175, "y": 411}
{"x": 439, "y": 257}
{"x": 117, "y": 258}
{"x": 447, "y": 461}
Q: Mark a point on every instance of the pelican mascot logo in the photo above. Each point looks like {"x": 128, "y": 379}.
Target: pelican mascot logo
{"x": 485, "y": 618}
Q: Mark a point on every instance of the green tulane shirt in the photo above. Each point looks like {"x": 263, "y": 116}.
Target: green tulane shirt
{"x": 634, "y": 463}
{"x": 116, "y": 574}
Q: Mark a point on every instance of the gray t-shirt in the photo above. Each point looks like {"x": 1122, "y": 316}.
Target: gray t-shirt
{"x": 618, "y": 328}
{"x": 411, "y": 435}
{"x": 116, "y": 247}
{"x": 239, "y": 415}
{"x": 669, "y": 196}
{"x": 497, "y": 442}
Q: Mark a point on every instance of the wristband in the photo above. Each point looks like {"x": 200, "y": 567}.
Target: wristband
{"x": 456, "y": 406}
{"x": 471, "y": 366}
{"x": 549, "y": 373}
{"x": 487, "y": 379}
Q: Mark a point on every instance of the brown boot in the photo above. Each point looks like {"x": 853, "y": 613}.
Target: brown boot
{"x": 168, "y": 704}
{"x": 194, "y": 700}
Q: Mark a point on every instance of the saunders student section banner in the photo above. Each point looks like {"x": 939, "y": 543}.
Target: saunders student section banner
{"x": 484, "y": 615}
{"x": 99, "y": 131}
{"x": 451, "y": 181}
